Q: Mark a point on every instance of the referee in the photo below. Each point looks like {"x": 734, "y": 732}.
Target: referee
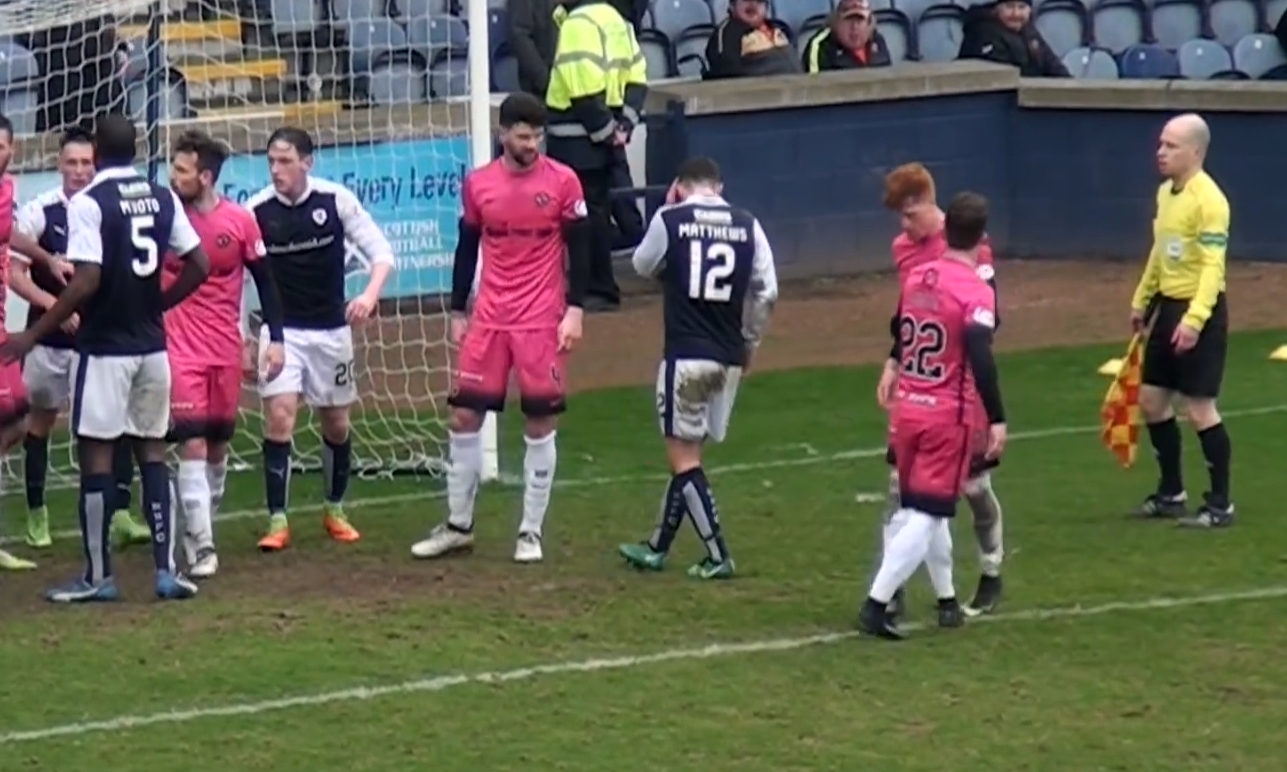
{"x": 1185, "y": 352}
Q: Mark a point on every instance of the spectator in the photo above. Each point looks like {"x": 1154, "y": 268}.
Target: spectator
{"x": 533, "y": 36}
{"x": 746, "y": 45}
{"x": 82, "y": 63}
{"x": 1003, "y": 32}
{"x": 849, "y": 42}
{"x": 1280, "y": 31}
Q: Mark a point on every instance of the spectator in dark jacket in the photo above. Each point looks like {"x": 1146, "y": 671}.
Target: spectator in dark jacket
{"x": 1003, "y": 32}
{"x": 851, "y": 41}
{"x": 1280, "y": 31}
{"x": 532, "y": 38}
{"x": 746, "y": 45}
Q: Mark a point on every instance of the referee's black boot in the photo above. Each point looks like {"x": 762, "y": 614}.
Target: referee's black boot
{"x": 874, "y": 620}
{"x": 1215, "y": 512}
{"x": 1160, "y": 506}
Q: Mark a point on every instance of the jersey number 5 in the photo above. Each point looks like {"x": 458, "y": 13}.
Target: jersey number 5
{"x": 710, "y": 271}
{"x": 146, "y": 254}
{"x": 921, "y": 343}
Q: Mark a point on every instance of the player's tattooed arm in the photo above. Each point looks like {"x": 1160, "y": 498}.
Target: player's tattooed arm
{"x": 465, "y": 265}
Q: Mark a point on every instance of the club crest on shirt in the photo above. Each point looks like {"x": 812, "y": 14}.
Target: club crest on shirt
{"x": 543, "y": 200}
{"x": 223, "y": 241}
{"x": 319, "y": 216}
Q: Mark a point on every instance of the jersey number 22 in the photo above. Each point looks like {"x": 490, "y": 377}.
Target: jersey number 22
{"x": 146, "y": 254}
{"x": 710, "y": 272}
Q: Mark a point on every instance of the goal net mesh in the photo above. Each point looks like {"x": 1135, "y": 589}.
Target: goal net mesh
{"x": 383, "y": 89}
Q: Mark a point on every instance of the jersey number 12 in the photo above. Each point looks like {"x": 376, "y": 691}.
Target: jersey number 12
{"x": 146, "y": 254}
{"x": 710, "y": 272}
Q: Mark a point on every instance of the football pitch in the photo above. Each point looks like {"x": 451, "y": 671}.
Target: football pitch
{"x": 1121, "y": 645}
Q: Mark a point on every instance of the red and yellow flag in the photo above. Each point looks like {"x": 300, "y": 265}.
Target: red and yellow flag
{"x": 1120, "y": 415}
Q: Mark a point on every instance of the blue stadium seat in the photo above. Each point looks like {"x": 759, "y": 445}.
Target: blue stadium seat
{"x": 1274, "y": 10}
{"x": 658, "y": 53}
{"x": 1149, "y": 62}
{"x": 690, "y": 50}
{"x": 398, "y": 80}
{"x": 1278, "y": 73}
{"x": 1233, "y": 20}
{"x": 497, "y": 29}
{"x": 374, "y": 42}
{"x": 19, "y": 86}
{"x": 896, "y": 29}
{"x": 1119, "y": 24}
{"x": 882, "y": 5}
{"x": 914, "y": 8}
{"x": 433, "y": 35}
{"x": 346, "y": 12}
{"x": 672, "y": 17}
{"x": 1258, "y": 54}
{"x": 811, "y": 25}
{"x": 1091, "y": 63}
{"x": 449, "y": 77}
{"x": 1064, "y": 24}
{"x": 413, "y": 9}
{"x": 1175, "y": 21}
{"x": 505, "y": 72}
{"x": 796, "y": 12}
{"x": 294, "y": 17}
{"x": 938, "y": 33}
{"x": 1201, "y": 59}
{"x": 1230, "y": 75}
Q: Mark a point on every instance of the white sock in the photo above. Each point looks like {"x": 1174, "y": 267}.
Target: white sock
{"x": 986, "y": 508}
{"x": 462, "y": 478}
{"x": 938, "y": 559}
{"x": 905, "y": 552}
{"x": 538, "y": 475}
{"x": 194, "y": 496}
{"x": 893, "y": 505}
{"x": 217, "y": 477}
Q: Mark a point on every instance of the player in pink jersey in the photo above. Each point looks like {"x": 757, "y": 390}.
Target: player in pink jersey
{"x": 910, "y": 190}
{"x": 946, "y": 317}
{"x": 525, "y": 209}
{"x": 204, "y": 340}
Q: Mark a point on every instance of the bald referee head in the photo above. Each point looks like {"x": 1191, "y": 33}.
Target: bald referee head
{"x": 1182, "y": 148}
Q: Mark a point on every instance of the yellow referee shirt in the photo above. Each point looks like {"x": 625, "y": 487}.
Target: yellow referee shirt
{"x": 1190, "y": 236}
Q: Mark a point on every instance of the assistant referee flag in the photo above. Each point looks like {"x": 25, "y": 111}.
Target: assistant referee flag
{"x": 1120, "y": 415}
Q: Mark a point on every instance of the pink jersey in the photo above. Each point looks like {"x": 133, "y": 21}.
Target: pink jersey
{"x": 909, "y": 254}
{"x": 8, "y": 201}
{"x": 206, "y": 327}
{"x": 939, "y": 301}
{"x": 521, "y": 215}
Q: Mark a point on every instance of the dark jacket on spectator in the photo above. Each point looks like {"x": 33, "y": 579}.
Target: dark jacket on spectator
{"x": 82, "y": 72}
{"x": 533, "y": 38}
{"x": 823, "y": 52}
{"x": 737, "y": 50}
{"x": 986, "y": 38}
{"x": 1280, "y": 31}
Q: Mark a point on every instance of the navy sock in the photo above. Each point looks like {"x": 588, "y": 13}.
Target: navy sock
{"x": 123, "y": 470}
{"x": 35, "y": 468}
{"x": 160, "y": 515}
{"x": 1165, "y": 436}
{"x": 704, "y": 514}
{"x": 1219, "y": 454}
{"x": 673, "y": 509}
{"x": 95, "y": 524}
{"x": 276, "y": 475}
{"x": 337, "y": 464}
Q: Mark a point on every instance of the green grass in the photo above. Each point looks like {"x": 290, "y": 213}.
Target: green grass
{"x": 1191, "y": 687}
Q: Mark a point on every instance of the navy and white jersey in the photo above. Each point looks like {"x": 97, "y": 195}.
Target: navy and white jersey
{"x": 125, "y": 223}
{"x": 718, "y": 278}
{"x": 45, "y": 220}
{"x": 305, "y": 240}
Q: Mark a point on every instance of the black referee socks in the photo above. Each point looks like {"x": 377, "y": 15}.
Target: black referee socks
{"x": 1218, "y": 453}
{"x": 1165, "y": 436}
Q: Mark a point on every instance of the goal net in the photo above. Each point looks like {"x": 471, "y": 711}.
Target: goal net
{"x": 384, "y": 89}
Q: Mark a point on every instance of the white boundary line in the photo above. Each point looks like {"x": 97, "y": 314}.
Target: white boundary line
{"x": 748, "y": 466}
{"x": 567, "y": 667}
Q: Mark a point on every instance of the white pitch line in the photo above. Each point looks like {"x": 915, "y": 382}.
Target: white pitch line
{"x": 747, "y": 466}
{"x": 442, "y": 683}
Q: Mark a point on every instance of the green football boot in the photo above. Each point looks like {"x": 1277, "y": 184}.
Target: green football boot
{"x": 126, "y": 531}
{"x": 642, "y": 556}
{"x": 38, "y": 535}
{"x": 709, "y": 569}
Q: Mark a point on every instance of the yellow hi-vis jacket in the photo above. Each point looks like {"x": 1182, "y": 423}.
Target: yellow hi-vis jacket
{"x": 599, "y": 79}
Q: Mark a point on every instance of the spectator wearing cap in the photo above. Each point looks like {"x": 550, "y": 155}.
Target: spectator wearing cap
{"x": 850, "y": 41}
{"x": 1003, "y": 32}
{"x": 746, "y": 44}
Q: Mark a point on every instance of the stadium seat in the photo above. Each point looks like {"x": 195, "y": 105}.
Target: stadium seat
{"x": 1230, "y": 75}
{"x": 1064, "y": 24}
{"x": 882, "y": 5}
{"x": 673, "y": 17}
{"x": 1149, "y": 62}
{"x": 1277, "y": 73}
{"x": 913, "y": 9}
{"x": 497, "y": 29}
{"x": 658, "y": 53}
{"x": 1119, "y": 24}
{"x": 796, "y": 12}
{"x": 432, "y": 35}
{"x": 414, "y": 9}
{"x": 173, "y": 105}
{"x": 19, "y": 86}
{"x": 938, "y": 33}
{"x": 398, "y": 80}
{"x": 690, "y": 51}
{"x": 505, "y": 72}
{"x": 449, "y": 77}
{"x": 1175, "y": 21}
{"x": 1233, "y": 20}
{"x": 373, "y": 41}
{"x": 1257, "y": 55}
{"x": 347, "y": 12}
{"x": 1274, "y": 10}
{"x": 812, "y": 25}
{"x": 1202, "y": 59}
{"x": 896, "y": 29}
{"x": 1091, "y": 63}
{"x": 294, "y": 17}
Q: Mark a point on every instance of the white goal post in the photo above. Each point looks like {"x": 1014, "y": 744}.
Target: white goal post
{"x": 397, "y": 98}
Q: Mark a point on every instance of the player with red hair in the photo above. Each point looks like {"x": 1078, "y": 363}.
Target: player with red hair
{"x": 910, "y": 191}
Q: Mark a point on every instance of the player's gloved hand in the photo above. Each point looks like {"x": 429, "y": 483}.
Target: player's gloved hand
{"x": 17, "y": 346}
{"x": 71, "y": 325}
{"x": 996, "y": 441}
{"x": 888, "y": 380}
{"x": 360, "y": 308}
{"x": 273, "y": 361}
{"x": 459, "y": 326}
{"x": 569, "y": 329}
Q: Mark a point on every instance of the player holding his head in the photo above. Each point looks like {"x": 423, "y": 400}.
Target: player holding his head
{"x": 1185, "y": 352}
{"x": 719, "y": 285}
{"x": 118, "y": 227}
{"x": 909, "y": 190}
{"x": 525, "y": 210}
{"x": 204, "y": 336}
{"x": 946, "y": 316}
{"x": 46, "y": 371}
{"x": 305, "y": 222}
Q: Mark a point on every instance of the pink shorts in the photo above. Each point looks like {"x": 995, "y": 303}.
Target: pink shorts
{"x": 204, "y": 401}
{"x": 486, "y": 358}
{"x": 933, "y": 461}
{"x": 14, "y": 404}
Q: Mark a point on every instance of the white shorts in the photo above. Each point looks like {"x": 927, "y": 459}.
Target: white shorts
{"x": 47, "y": 371}
{"x": 115, "y": 396}
{"x": 319, "y": 365}
{"x": 695, "y": 398}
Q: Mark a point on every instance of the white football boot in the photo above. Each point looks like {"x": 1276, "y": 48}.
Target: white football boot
{"x": 206, "y": 564}
{"x": 528, "y": 549}
{"x": 442, "y": 540}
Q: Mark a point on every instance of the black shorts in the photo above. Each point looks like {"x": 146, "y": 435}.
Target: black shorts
{"x": 1197, "y": 372}
{"x": 978, "y": 464}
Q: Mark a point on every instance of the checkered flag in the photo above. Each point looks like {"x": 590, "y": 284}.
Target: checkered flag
{"x": 1120, "y": 415}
